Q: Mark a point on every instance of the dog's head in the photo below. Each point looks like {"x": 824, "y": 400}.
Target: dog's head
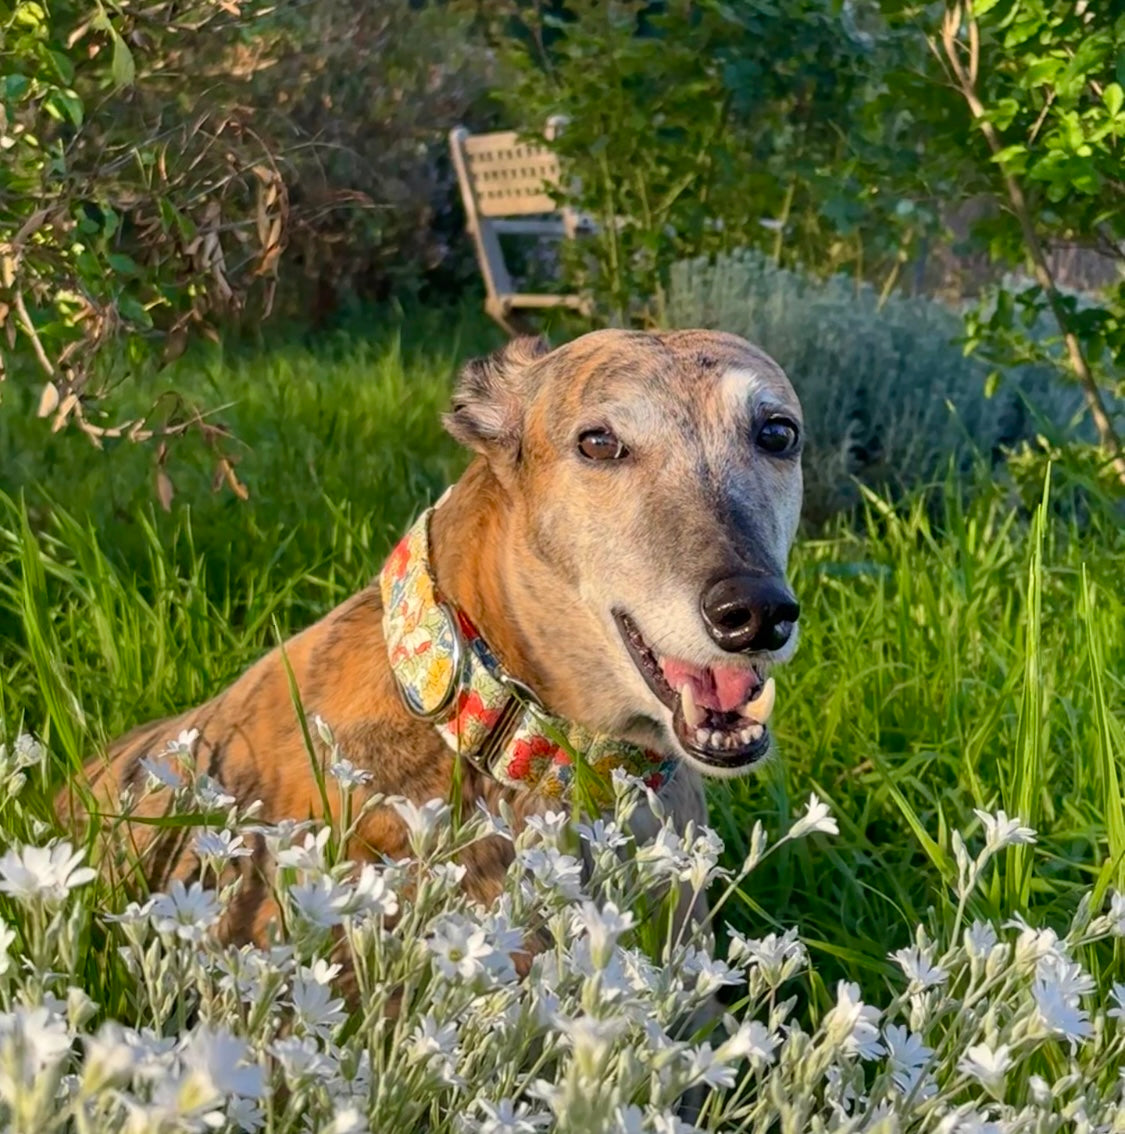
{"x": 654, "y": 489}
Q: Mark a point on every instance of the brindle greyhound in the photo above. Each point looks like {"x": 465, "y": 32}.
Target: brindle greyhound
{"x": 614, "y": 557}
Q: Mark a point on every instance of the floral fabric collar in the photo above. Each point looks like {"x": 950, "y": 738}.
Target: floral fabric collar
{"x": 447, "y": 675}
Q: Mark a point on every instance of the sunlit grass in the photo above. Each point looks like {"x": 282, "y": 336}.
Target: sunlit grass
{"x": 957, "y": 651}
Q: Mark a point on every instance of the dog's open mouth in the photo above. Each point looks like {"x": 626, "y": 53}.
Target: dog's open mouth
{"x": 719, "y": 713}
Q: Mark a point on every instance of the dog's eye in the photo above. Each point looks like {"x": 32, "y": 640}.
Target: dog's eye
{"x": 601, "y": 445}
{"x": 778, "y": 436}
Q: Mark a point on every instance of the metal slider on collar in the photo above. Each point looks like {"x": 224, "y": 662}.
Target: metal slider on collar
{"x": 521, "y": 701}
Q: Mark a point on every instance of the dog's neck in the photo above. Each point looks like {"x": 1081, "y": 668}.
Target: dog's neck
{"x": 473, "y": 537}
{"x": 458, "y": 591}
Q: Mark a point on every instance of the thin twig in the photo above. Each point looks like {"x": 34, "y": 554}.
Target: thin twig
{"x": 33, "y": 335}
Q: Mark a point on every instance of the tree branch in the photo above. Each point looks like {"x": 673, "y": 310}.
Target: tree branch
{"x": 966, "y": 81}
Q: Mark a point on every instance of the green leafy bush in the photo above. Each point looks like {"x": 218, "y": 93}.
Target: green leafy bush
{"x": 689, "y": 124}
{"x": 889, "y": 398}
{"x": 1019, "y": 107}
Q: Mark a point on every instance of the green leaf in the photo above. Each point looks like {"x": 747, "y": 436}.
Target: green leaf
{"x": 123, "y": 265}
{"x": 15, "y": 86}
{"x": 992, "y": 384}
{"x": 1113, "y": 98}
{"x": 123, "y": 69}
{"x": 64, "y": 68}
{"x": 134, "y": 311}
{"x": 64, "y": 105}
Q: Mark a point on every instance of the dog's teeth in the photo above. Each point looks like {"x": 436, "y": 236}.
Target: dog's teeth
{"x": 716, "y": 738}
{"x": 693, "y": 714}
{"x": 744, "y": 736}
{"x": 702, "y": 736}
{"x": 756, "y": 732}
{"x": 762, "y": 706}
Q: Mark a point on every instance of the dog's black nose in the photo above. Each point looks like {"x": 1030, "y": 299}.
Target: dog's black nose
{"x": 747, "y": 613}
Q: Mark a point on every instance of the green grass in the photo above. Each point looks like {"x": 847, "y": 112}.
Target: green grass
{"x": 957, "y": 651}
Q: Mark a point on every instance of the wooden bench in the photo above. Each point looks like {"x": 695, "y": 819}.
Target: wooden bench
{"x": 505, "y": 185}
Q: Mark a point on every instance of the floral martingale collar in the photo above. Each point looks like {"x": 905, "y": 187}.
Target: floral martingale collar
{"x": 447, "y": 675}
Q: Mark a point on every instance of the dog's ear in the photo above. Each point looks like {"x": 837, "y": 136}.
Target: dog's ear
{"x": 488, "y": 401}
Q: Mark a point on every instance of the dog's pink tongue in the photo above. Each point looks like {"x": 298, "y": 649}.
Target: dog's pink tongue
{"x": 724, "y": 688}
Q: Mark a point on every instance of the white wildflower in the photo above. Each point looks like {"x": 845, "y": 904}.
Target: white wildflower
{"x": 210, "y": 795}
{"x": 300, "y": 1058}
{"x": 853, "y": 1024}
{"x": 184, "y": 744}
{"x": 43, "y": 874}
{"x": 7, "y": 936}
{"x": 1068, "y": 976}
{"x": 323, "y": 729}
{"x": 1041, "y": 1092}
{"x": 969, "y": 1120}
{"x": 1116, "y": 914}
{"x": 187, "y": 913}
{"x": 663, "y": 856}
{"x": 161, "y": 773}
{"x": 752, "y": 1040}
{"x": 917, "y": 964}
{"x": 321, "y": 902}
{"x": 449, "y": 875}
{"x": 347, "y": 1120}
{"x": 373, "y": 894}
{"x": 816, "y": 818}
{"x": 603, "y": 927}
{"x": 709, "y": 1067}
{"x": 1117, "y": 994}
{"x": 907, "y": 1055}
{"x": 1032, "y": 945}
{"x": 436, "y": 1046}
{"x": 1001, "y": 832}
{"x": 459, "y": 948}
{"x": 109, "y": 1058}
{"x": 710, "y": 973}
{"x": 988, "y": 1065}
{"x": 422, "y": 822}
{"x": 555, "y": 871}
{"x": 223, "y": 1059}
{"x": 550, "y": 826}
{"x": 980, "y": 939}
{"x": 1059, "y": 1013}
{"x": 591, "y": 1039}
{"x": 245, "y": 1114}
{"x": 31, "y": 1041}
{"x": 603, "y": 834}
{"x": 308, "y": 857}
{"x": 629, "y": 1120}
{"x": 315, "y": 1006}
{"x": 505, "y": 1117}
{"x": 348, "y": 775}
{"x": 220, "y": 846}
{"x": 778, "y": 957}
{"x": 668, "y": 1123}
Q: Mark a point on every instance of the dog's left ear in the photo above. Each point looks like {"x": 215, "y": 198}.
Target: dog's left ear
{"x": 488, "y": 402}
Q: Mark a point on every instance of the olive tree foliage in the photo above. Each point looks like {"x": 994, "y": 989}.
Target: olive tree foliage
{"x": 132, "y": 206}
{"x": 160, "y": 160}
{"x": 1022, "y": 107}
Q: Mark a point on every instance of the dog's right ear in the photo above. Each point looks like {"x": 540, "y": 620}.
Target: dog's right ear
{"x": 488, "y": 402}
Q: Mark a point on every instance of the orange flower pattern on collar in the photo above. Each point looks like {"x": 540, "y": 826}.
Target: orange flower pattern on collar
{"x": 447, "y": 674}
